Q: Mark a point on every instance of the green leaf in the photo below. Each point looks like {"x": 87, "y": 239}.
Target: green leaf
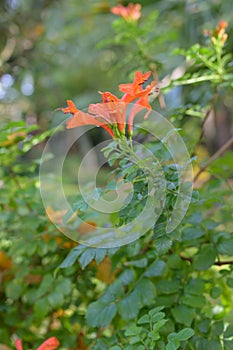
{"x": 87, "y": 256}
{"x": 14, "y": 290}
{"x": 195, "y": 286}
{"x": 145, "y": 290}
{"x": 129, "y": 306}
{"x": 205, "y": 258}
{"x": 159, "y": 324}
{"x": 155, "y": 269}
{"x": 134, "y": 340}
{"x": 138, "y": 263}
{"x": 126, "y": 277}
{"x": 213, "y": 345}
{"x": 190, "y": 233}
{"x": 162, "y": 245}
{"x": 72, "y": 257}
{"x": 217, "y": 328}
{"x": 132, "y": 330}
{"x": 229, "y": 331}
{"x": 114, "y": 291}
{"x": 225, "y": 246}
{"x": 144, "y": 319}
{"x": 193, "y": 300}
{"x": 215, "y": 292}
{"x": 172, "y": 345}
{"x": 100, "y": 254}
{"x": 56, "y": 299}
{"x": 230, "y": 282}
{"x": 41, "y": 308}
{"x": 183, "y": 314}
{"x": 100, "y": 314}
{"x": 45, "y": 286}
{"x": 185, "y": 334}
{"x": 228, "y": 345}
{"x": 168, "y": 287}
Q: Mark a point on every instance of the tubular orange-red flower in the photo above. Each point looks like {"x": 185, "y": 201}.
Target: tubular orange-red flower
{"x": 49, "y": 344}
{"x": 18, "y": 344}
{"x": 81, "y": 118}
{"x": 111, "y": 113}
{"x": 114, "y": 108}
{"x": 135, "y": 90}
{"x": 132, "y": 12}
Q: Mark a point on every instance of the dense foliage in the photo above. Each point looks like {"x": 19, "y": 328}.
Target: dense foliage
{"x": 166, "y": 290}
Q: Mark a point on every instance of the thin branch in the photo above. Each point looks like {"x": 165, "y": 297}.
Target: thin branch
{"x": 207, "y": 114}
{"x": 196, "y": 80}
{"x": 160, "y": 96}
{"x": 7, "y": 51}
{"x": 215, "y": 156}
{"x": 217, "y": 263}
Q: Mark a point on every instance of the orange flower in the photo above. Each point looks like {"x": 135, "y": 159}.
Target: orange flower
{"x": 218, "y": 33}
{"x": 70, "y": 109}
{"x": 132, "y": 12}
{"x": 81, "y": 118}
{"x": 135, "y": 89}
{"x": 112, "y": 109}
{"x": 50, "y": 344}
{"x": 108, "y": 97}
{"x": 111, "y": 113}
{"x": 18, "y": 344}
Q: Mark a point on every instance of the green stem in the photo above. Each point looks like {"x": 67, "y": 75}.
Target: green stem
{"x": 197, "y": 80}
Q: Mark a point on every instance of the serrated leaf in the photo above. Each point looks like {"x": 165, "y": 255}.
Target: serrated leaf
{"x": 86, "y": 257}
{"x": 72, "y": 257}
{"x": 100, "y": 254}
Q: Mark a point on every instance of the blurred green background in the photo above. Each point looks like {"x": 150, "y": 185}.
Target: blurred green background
{"x": 49, "y": 50}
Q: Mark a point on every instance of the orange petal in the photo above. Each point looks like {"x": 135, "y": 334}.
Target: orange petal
{"x": 50, "y": 344}
{"x": 108, "y": 97}
{"x": 82, "y": 118}
{"x": 18, "y": 344}
{"x": 70, "y": 109}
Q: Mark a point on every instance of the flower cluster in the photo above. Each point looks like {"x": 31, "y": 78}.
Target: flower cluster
{"x": 110, "y": 114}
{"x": 50, "y": 344}
{"x": 132, "y": 12}
{"x": 218, "y": 34}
